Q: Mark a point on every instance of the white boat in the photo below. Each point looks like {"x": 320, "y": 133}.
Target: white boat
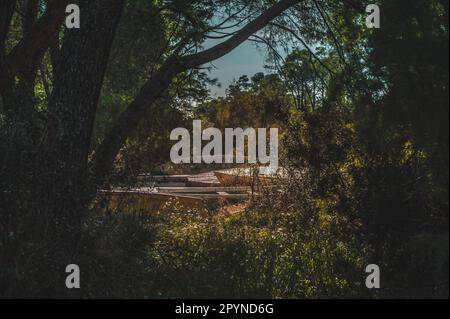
{"x": 250, "y": 176}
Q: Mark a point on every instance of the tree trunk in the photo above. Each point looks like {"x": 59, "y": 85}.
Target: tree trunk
{"x": 62, "y": 195}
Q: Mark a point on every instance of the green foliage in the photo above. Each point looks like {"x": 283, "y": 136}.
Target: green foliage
{"x": 261, "y": 101}
{"x": 365, "y": 140}
{"x": 245, "y": 256}
{"x": 202, "y": 253}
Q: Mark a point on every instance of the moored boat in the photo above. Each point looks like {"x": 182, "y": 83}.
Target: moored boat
{"x": 249, "y": 176}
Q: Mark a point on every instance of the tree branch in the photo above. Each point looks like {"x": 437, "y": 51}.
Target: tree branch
{"x": 6, "y": 13}
{"x": 195, "y": 60}
{"x": 104, "y": 156}
{"x": 31, "y": 15}
{"x": 304, "y": 44}
{"x": 20, "y": 59}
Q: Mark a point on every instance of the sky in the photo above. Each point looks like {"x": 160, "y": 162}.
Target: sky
{"x": 244, "y": 60}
